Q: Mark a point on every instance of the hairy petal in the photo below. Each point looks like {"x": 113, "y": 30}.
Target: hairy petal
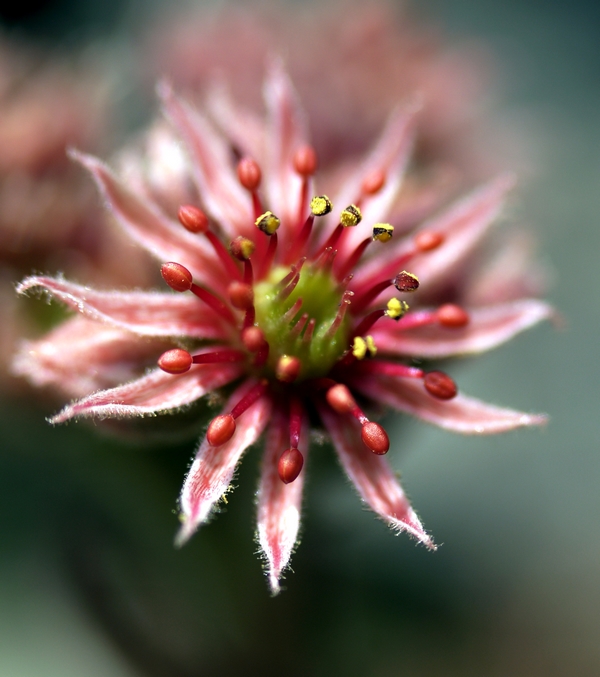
{"x": 153, "y": 393}
{"x": 462, "y": 414}
{"x": 278, "y": 503}
{"x": 144, "y": 313}
{"x": 211, "y": 472}
{"x": 222, "y": 195}
{"x": 286, "y": 131}
{"x": 488, "y": 327}
{"x": 373, "y": 478}
{"x": 81, "y": 356}
{"x": 148, "y": 227}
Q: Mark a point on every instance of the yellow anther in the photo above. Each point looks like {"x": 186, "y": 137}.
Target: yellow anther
{"x": 351, "y": 216}
{"x": 320, "y": 205}
{"x": 268, "y": 223}
{"x": 383, "y": 232}
{"x": 396, "y": 309}
{"x": 361, "y": 346}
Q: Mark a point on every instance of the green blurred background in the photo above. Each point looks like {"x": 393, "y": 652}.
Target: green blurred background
{"x": 91, "y": 586}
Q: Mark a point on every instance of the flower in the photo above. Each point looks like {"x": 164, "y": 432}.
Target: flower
{"x": 308, "y": 310}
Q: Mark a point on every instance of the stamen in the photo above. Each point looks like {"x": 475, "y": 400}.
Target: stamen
{"x": 220, "y": 430}
{"x": 287, "y": 369}
{"x": 440, "y": 385}
{"x": 452, "y": 316}
{"x": 176, "y": 361}
{"x": 195, "y": 220}
{"x": 373, "y": 182}
{"x": 256, "y": 392}
{"x": 369, "y": 320}
{"x": 428, "y": 240}
{"x": 373, "y": 435}
{"x": 361, "y": 346}
{"x": 375, "y": 438}
{"x": 254, "y": 339}
{"x": 213, "y": 302}
{"x": 396, "y": 309}
{"x": 353, "y": 259}
{"x": 241, "y": 295}
{"x": 305, "y": 163}
{"x": 383, "y": 232}
{"x": 406, "y": 282}
{"x": 393, "y": 369}
{"x": 351, "y": 216}
{"x": 250, "y": 176}
{"x": 320, "y": 205}
{"x": 178, "y": 277}
{"x": 298, "y": 245}
{"x": 268, "y": 223}
{"x": 242, "y": 248}
{"x": 290, "y": 465}
{"x": 295, "y": 421}
{"x": 269, "y": 257}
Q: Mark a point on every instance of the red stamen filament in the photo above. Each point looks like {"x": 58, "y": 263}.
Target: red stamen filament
{"x": 255, "y": 393}
{"x": 269, "y": 257}
{"x": 353, "y": 259}
{"x": 333, "y": 238}
{"x": 392, "y": 369}
{"x": 213, "y": 302}
{"x": 219, "y": 356}
{"x": 295, "y": 422}
{"x": 299, "y": 244}
{"x": 368, "y": 322}
{"x": 363, "y": 301}
{"x": 221, "y": 251}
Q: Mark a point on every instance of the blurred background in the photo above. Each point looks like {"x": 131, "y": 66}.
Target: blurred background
{"x": 90, "y": 584}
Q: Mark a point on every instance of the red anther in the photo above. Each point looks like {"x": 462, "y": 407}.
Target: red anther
{"x": 406, "y": 282}
{"x": 242, "y": 248}
{"x": 305, "y": 161}
{"x": 440, "y": 385}
{"x": 220, "y": 430}
{"x": 340, "y": 399}
{"x": 428, "y": 240}
{"x": 375, "y": 438}
{"x": 253, "y": 338}
{"x": 241, "y": 295}
{"x": 288, "y": 368}
{"x": 193, "y": 219}
{"x": 289, "y": 465}
{"x": 452, "y": 316}
{"x": 373, "y": 182}
{"x": 249, "y": 173}
{"x": 176, "y": 361}
{"x": 178, "y": 277}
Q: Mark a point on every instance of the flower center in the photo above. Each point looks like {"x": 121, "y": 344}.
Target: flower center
{"x": 305, "y": 322}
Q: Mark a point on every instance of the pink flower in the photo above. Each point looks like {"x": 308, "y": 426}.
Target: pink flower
{"x": 297, "y": 306}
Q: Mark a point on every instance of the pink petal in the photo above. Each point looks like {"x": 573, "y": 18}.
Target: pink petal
{"x": 278, "y": 503}
{"x": 240, "y": 125}
{"x": 462, "y": 414}
{"x": 390, "y": 154}
{"x": 210, "y": 476}
{"x": 145, "y": 313}
{"x": 153, "y": 393}
{"x": 488, "y": 328}
{"x": 286, "y": 130}
{"x": 373, "y": 478}
{"x": 146, "y": 225}
{"x": 464, "y": 224}
{"x": 81, "y": 356}
{"x": 214, "y": 173}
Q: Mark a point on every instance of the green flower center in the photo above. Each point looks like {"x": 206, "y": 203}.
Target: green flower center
{"x": 321, "y": 298}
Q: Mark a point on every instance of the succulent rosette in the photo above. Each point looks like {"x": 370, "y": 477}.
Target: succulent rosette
{"x": 309, "y": 311}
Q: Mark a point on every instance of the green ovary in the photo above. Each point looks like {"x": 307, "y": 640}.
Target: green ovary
{"x": 321, "y": 300}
